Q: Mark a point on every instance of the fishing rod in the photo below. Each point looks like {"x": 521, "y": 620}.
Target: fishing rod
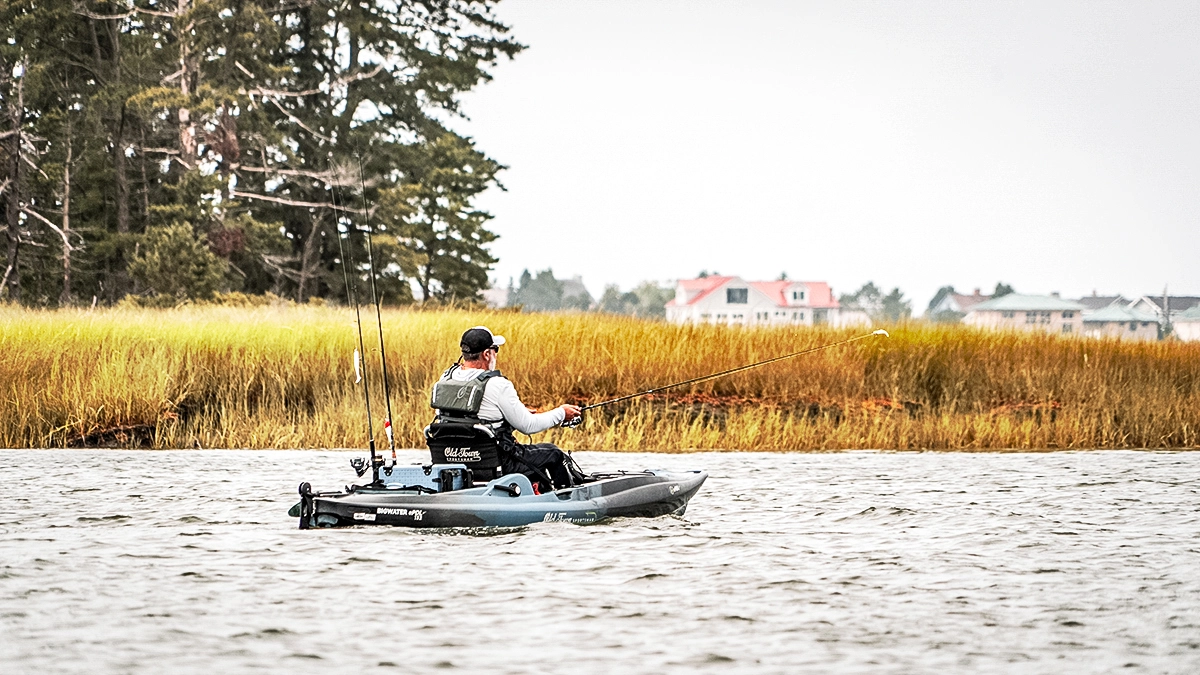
{"x": 387, "y": 392}
{"x": 347, "y": 256}
{"x": 723, "y": 373}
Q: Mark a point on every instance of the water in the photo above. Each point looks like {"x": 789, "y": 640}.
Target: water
{"x": 151, "y": 562}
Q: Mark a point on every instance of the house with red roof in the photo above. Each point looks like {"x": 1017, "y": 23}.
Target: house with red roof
{"x": 733, "y": 301}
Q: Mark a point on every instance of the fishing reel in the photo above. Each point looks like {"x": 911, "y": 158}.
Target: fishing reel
{"x": 359, "y": 465}
{"x": 573, "y": 423}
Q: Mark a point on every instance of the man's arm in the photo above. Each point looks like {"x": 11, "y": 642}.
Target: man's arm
{"x": 517, "y": 415}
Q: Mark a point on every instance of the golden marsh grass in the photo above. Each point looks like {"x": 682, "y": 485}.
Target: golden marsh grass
{"x": 281, "y": 377}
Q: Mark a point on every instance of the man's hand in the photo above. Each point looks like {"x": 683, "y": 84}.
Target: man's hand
{"x": 570, "y": 412}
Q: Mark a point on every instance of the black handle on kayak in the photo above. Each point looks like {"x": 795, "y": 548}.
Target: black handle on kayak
{"x": 512, "y": 489}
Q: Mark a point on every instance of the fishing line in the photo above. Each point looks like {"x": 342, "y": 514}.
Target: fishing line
{"x": 723, "y": 373}
{"x": 387, "y": 392}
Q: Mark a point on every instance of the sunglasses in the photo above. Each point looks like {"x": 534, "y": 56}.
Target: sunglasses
{"x": 495, "y": 348}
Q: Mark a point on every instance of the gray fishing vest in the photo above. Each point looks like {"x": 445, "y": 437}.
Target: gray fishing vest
{"x": 460, "y": 399}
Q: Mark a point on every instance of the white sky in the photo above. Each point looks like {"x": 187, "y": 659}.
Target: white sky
{"x": 1054, "y": 146}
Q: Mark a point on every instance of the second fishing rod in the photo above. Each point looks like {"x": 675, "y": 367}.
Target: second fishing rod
{"x": 704, "y": 378}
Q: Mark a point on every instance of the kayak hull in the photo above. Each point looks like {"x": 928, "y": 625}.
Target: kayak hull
{"x": 508, "y": 501}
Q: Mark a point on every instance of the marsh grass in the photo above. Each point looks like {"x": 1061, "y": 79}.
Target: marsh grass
{"x": 281, "y": 377}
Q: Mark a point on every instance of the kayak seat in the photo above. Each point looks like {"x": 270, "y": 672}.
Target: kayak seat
{"x": 463, "y": 442}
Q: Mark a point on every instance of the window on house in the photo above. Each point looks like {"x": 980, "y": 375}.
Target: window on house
{"x": 1132, "y": 326}
{"x": 801, "y": 316}
{"x": 706, "y": 316}
{"x": 1008, "y": 315}
{"x": 797, "y": 295}
{"x": 1030, "y": 317}
{"x": 739, "y": 317}
{"x": 1069, "y": 314}
{"x": 737, "y": 296}
{"x": 1067, "y": 327}
{"x": 1045, "y": 317}
{"x": 722, "y": 317}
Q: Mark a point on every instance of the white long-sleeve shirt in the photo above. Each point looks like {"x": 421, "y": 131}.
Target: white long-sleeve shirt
{"x": 500, "y": 402}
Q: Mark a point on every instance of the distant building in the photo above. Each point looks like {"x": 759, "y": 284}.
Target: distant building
{"x": 1093, "y": 302}
{"x": 1186, "y": 324}
{"x": 1047, "y": 313}
{"x": 958, "y": 303}
{"x": 1176, "y": 304}
{"x": 575, "y": 294}
{"x": 1122, "y": 322}
{"x": 734, "y": 301}
{"x": 495, "y": 297}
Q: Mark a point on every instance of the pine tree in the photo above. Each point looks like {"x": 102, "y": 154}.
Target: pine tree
{"x": 430, "y": 213}
{"x": 248, "y": 121}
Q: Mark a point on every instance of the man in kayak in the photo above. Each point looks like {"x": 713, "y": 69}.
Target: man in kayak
{"x": 500, "y": 404}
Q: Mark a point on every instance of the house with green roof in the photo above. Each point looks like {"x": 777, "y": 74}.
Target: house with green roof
{"x": 1122, "y": 322}
{"x": 1018, "y": 311}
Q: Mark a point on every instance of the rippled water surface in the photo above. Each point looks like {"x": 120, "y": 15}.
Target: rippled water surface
{"x": 154, "y": 562}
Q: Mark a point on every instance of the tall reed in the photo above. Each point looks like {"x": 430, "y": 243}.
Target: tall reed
{"x": 281, "y": 377}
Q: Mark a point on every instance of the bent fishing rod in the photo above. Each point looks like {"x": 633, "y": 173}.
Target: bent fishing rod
{"x": 723, "y": 373}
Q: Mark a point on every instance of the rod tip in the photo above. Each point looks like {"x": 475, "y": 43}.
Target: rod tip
{"x": 882, "y": 332}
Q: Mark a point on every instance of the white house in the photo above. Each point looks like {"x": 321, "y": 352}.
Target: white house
{"x": 734, "y": 301}
{"x": 1047, "y": 313}
{"x": 1121, "y": 322}
{"x": 575, "y": 293}
{"x": 494, "y": 297}
{"x": 1176, "y": 304}
{"x": 1186, "y": 325}
{"x": 1180, "y": 311}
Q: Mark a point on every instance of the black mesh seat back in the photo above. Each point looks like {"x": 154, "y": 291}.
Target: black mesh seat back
{"x": 464, "y": 443}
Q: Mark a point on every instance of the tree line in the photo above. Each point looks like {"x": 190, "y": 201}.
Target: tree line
{"x": 173, "y": 150}
{"x": 880, "y": 306}
{"x": 542, "y": 292}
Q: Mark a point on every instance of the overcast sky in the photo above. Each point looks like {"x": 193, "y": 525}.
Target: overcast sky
{"x": 1054, "y": 146}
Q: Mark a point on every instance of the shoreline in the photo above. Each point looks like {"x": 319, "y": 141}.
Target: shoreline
{"x": 282, "y": 377}
{"x": 692, "y": 451}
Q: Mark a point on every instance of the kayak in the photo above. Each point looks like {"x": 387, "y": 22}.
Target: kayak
{"x": 443, "y": 495}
